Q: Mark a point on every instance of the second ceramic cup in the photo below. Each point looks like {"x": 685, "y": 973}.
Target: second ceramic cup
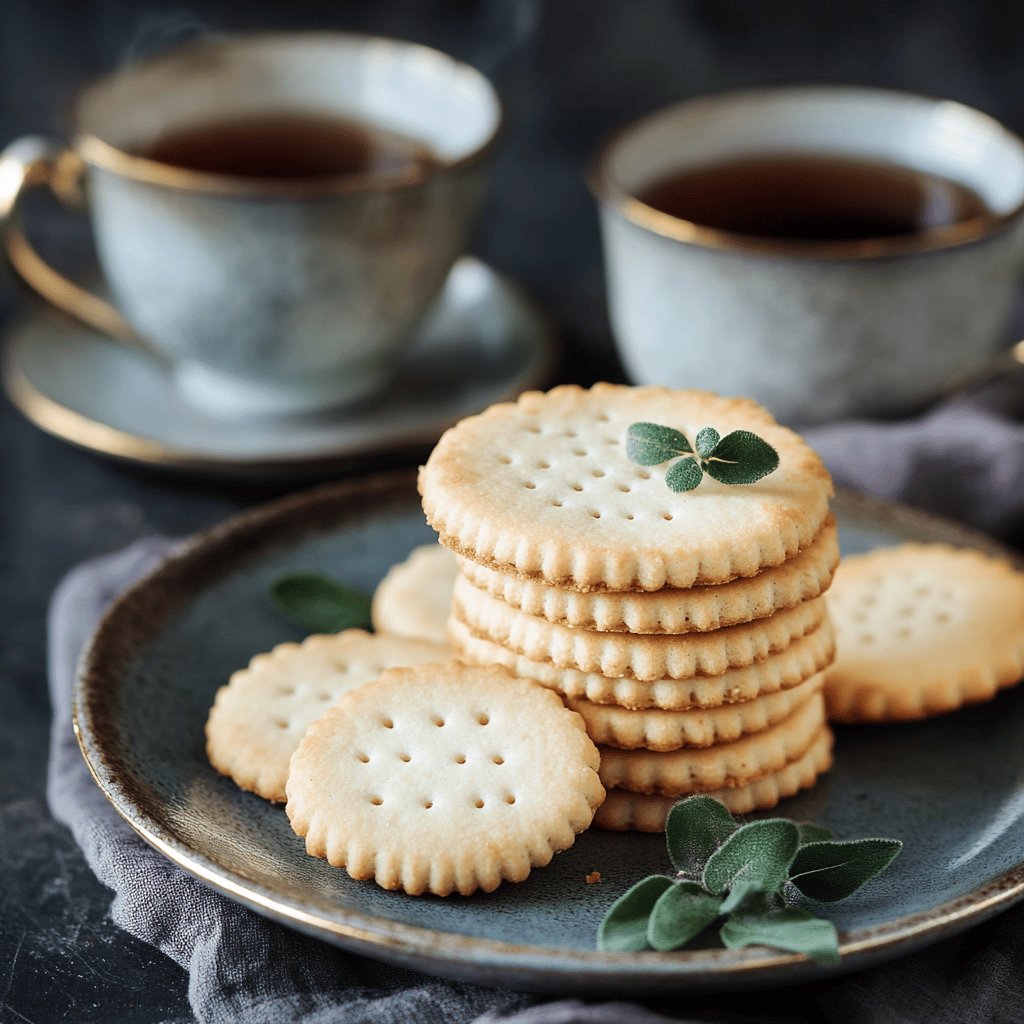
{"x": 815, "y": 330}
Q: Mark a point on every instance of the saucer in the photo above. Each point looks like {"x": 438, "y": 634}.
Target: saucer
{"x": 484, "y": 342}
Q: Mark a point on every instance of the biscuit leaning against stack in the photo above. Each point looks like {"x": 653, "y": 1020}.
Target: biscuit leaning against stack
{"x": 688, "y": 630}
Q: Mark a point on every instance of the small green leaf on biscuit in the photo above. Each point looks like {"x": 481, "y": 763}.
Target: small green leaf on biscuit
{"x": 742, "y": 458}
{"x": 648, "y": 444}
{"x": 684, "y": 475}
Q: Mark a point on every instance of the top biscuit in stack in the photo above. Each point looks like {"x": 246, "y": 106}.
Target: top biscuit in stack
{"x": 542, "y": 489}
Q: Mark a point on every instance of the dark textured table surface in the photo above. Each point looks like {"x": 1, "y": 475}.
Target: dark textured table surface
{"x": 569, "y": 70}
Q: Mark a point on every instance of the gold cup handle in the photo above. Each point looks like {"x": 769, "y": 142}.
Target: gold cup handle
{"x": 32, "y": 162}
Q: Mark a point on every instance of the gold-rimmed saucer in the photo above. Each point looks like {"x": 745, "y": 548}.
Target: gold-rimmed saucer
{"x": 484, "y": 342}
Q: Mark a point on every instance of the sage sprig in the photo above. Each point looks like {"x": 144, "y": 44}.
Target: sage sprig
{"x": 740, "y": 457}
{"x": 743, "y": 878}
{"x": 318, "y": 603}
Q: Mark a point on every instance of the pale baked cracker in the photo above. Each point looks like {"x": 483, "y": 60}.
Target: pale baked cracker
{"x": 643, "y": 657}
{"x": 646, "y": 812}
{"x": 695, "y": 770}
{"x": 415, "y": 597}
{"x": 658, "y": 730}
{"x": 801, "y": 578}
{"x": 542, "y": 488}
{"x": 790, "y": 667}
{"x": 444, "y": 778}
{"x": 258, "y": 719}
{"x": 921, "y": 630}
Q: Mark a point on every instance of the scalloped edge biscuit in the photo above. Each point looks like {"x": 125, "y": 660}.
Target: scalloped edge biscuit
{"x": 623, "y": 811}
{"x": 724, "y": 766}
{"x": 643, "y": 657}
{"x": 661, "y": 731}
{"x": 798, "y": 662}
{"x": 258, "y": 718}
{"x": 444, "y": 778}
{"x": 541, "y": 488}
{"x": 923, "y": 629}
{"x": 415, "y": 596}
{"x": 805, "y": 576}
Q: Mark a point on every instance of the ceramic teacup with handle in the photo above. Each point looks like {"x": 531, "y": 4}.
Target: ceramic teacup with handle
{"x": 265, "y": 295}
{"x": 816, "y": 330}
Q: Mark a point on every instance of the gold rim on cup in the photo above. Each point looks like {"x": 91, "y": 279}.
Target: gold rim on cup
{"x": 96, "y": 152}
{"x": 611, "y": 193}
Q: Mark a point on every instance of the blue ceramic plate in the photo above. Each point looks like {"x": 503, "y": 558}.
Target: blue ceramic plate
{"x": 952, "y": 788}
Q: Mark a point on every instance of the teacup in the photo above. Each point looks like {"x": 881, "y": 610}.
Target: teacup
{"x": 266, "y": 296}
{"x": 816, "y": 330}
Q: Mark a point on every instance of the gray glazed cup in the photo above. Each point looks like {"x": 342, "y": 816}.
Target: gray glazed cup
{"x": 816, "y": 331}
{"x": 265, "y": 296}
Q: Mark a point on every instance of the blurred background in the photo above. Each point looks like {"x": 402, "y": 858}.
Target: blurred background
{"x": 570, "y": 72}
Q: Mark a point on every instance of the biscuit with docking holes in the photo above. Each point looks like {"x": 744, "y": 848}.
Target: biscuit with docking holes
{"x": 923, "y": 629}
{"x": 658, "y": 730}
{"x": 644, "y": 657}
{"x": 623, "y": 811}
{"x": 698, "y": 609}
{"x": 415, "y": 597}
{"x": 444, "y": 778}
{"x": 790, "y": 667}
{"x": 542, "y": 489}
{"x": 259, "y": 717}
{"x": 697, "y": 770}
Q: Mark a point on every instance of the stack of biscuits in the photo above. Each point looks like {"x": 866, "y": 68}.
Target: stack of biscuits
{"x": 689, "y": 630}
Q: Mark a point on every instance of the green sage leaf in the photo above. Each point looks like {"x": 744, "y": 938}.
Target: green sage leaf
{"x": 684, "y": 475}
{"x": 706, "y": 441}
{"x": 811, "y": 833}
{"x": 749, "y": 897}
{"x": 742, "y": 458}
{"x": 833, "y": 870}
{"x": 649, "y": 444}
{"x": 758, "y": 853}
{"x": 792, "y": 929}
{"x": 682, "y": 912}
{"x": 318, "y": 603}
{"x": 694, "y": 829}
{"x": 624, "y": 928}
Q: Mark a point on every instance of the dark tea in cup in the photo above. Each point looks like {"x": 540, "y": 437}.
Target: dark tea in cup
{"x": 292, "y": 146}
{"x": 814, "y": 198}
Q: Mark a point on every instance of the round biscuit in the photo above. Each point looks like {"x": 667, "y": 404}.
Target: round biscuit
{"x": 542, "y": 488}
{"x": 415, "y": 597}
{"x": 644, "y": 657}
{"x": 659, "y": 730}
{"x": 444, "y": 778}
{"x": 698, "y": 609}
{"x": 790, "y": 667}
{"x": 258, "y": 718}
{"x": 623, "y": 811}
{"x": 692, "y": 770}
{"x": 922, "y": 630}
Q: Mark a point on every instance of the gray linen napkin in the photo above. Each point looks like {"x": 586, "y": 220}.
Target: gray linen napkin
{"x": 963, "y": 458}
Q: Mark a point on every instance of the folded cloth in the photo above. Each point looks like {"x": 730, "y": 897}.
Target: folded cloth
{"x": 963, "y": 458}
{"x": 241, "y": 967}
